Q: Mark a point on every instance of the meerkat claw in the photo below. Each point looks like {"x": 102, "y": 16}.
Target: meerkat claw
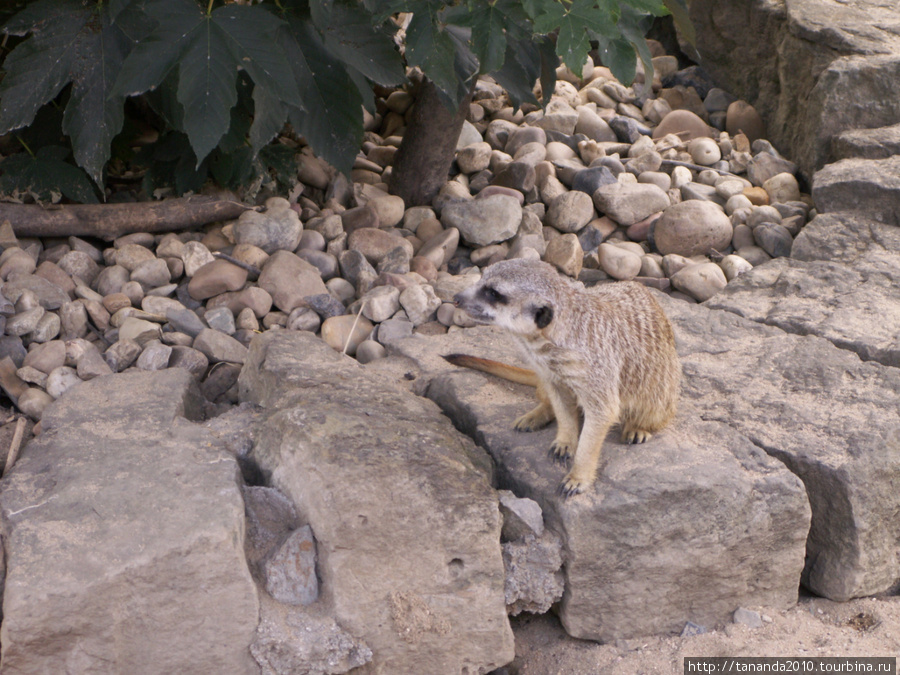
{"x": 570, "y": 487}
{"x": 560, "y": 452}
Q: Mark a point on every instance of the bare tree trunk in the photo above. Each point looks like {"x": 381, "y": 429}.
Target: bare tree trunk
{"x": 108, "y": 221}
{"x": 423, "y": 161}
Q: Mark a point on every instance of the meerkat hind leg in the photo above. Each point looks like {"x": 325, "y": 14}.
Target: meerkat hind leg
{"x": 538, "y": 417}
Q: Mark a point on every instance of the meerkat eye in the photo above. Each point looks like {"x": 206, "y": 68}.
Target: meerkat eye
{"x": 492, "y": 295}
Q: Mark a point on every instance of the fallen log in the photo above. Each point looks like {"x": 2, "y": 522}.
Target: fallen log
{"x": 108, "y": 221}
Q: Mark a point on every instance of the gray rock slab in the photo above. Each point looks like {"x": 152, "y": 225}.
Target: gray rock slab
{"x": 870, "y": 187}
{"x": 830, "y": 417}
{"x": 697, "y": 521}
{"x": 123, "y": 533}
{"x": 406, "y": 522}
{"x": 878, "y": 143}
{"x": 842, "y": 288}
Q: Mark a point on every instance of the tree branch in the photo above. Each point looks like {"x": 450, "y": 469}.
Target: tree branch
{"x": 108, "y": 221}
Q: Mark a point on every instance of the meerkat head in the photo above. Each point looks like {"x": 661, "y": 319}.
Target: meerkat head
{"x": 518, "y": 295}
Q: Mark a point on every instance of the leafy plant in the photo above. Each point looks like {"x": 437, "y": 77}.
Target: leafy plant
{"x": 224, "y": 78}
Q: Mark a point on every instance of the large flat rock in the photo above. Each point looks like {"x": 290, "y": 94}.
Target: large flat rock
{"x": 813, "y": 68}
{"x": 841, "y": 285}
{"x": 830, "y": 417}
{"x": 694, "y": 523}
{"x": 406, "y": 523}
{"x": 870, "y": 187}
{"x": 123, "y": 529}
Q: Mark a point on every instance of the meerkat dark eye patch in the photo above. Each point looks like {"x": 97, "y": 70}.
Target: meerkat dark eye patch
{"x": 543, "y": 316}
{"x": 492, "y": 295}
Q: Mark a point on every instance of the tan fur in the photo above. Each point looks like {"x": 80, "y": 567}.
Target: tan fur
{"x": 608, "y": 351}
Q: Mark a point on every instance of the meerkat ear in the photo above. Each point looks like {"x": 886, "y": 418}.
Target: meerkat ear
{"x": 543, "y": 315}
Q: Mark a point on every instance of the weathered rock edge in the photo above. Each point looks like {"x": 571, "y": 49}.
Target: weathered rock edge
{"x": 406, "y": 522}
{"x": 123, "y": 530}
{"x": 696, "y": 522}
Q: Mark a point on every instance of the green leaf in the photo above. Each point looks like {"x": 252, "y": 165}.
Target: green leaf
{"x": 38, "y": 68}
{"x": 521, "y": 68}
{"x": 93, "y": 116}
{"x": 351, "y": 37}
{"x": 281, "y": 160}
{"x": 269, "y": 116}
{"x": 489, "y": 35}
{"x": 432, "y": 50}
{"x": 633, "y": 26}
{"x": 332, "y": 119}
{"x": 45, "y": 174}
{"x": 572, "y": 43}
{"x": 618, "y": 55}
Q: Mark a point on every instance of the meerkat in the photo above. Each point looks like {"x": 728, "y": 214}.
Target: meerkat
{"x": 608, "y": 352}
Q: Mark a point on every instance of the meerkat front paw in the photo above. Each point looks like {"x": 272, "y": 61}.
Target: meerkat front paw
{"x": 631, "y": 436}
{"x": 573, "y": 485}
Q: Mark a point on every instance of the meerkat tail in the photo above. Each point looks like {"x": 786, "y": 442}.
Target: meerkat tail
{"x": 502, "y": 370}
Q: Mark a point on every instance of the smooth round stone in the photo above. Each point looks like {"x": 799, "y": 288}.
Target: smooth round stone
{"x": 246, "y": 320}
{"x": 628, "y": 203}
{"x": 218, "y": 347}
{"x": 571, "y": 211}
{"x": 593, "y": 126}
{"x": 278, "y": 229}
{"x": 310, "y": 240}
{"x": 692, "y": 228}
{"x": 257, "y": 299}
{"x": 389, "y": 209}
{"x": 683, "y": 123}
{"x": 154, "y": 304}
{"x": 484, "y": 221}
{"x": 763, "y": 214}
{"x": 18, "y": 263}
{"x": 590, "y": 180}
{"x": 557, "y": 151}
{"x": 339, "y": 333}
{"x": 130, "y": 256}
{"x": 170, "y": 246}
{"x": 420, "y": 303}
{"x": 216, "y": 277}
{"x": 522, "y": 135}
{"x": 773, "y": 239}
{"x": 25, "y": 322}
{"x": 618, "y": 263}
{"x": 733, "y": 266}
{"x": 192, "y": 360}
{"x": 341, "y": 289}
{"x": 152, "y": 273}
{"x": 81, "y": 265}
{"x": 111, "y": 279}
{"x": 33, "y": 402}
{"x": 122, "y": 354}
{"x": 47, "y": 356}
{"x": 531, "y": 153}
{"x": 195, "y": 255}
{"x": 645, "y": 163}
{"x": 753, "y": 254}
{"x": 376, "y": 244}
{"x": 139, "y": 330}
{"x": 704, "y": 151}
{"x": 660, "y": 179}
{"x": 700, "y": 281}
{"x": 370, "y": 350}
{"x": 139, "y": 238}
{"x": 174, "y": 338}
{"x": 474, "y": 158}
{"x": 742, "y": 118}
{"x": 184, "y": 320}
{"x": 154, "y": 357}
{"x": 565, "y": 253}
{"x": 27, "y": 300}
{"x": 782, "y": 187}
{"x": 743, "y": 236}
{"x": 651, "y": 267}
{"x": 681, "y": 175}
{"x": 640, "y": 231}
{"x": 91, "y": 364}
{"x": 757, "y": 196}
{"x": 673, "y": 263}
{"x": 60, "y": 380}
{"x": 304, "y": 318}
{"x": 735, "y": 202}
{"x": 326, "y": 263}
{"x": 517, "y": 175}
{"x": 47, "y": 328}
{"x": 325, "y": 305}
{"x": 220, "y": 319}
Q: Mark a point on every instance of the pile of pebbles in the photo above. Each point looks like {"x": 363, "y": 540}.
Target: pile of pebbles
{"x": 672, "y": 186}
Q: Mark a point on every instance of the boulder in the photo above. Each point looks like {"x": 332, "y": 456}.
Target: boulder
{"x": 697, "y": 544}
{"x": 871, "y": 187}
{"x": 484, "y": 221}
{"x": 123, "y": 532}
{"x": 420, "y": 578}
